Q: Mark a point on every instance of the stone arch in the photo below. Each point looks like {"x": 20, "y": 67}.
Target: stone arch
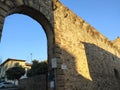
{"x": 41, "y": 11}
{"x": 34, "y": 9}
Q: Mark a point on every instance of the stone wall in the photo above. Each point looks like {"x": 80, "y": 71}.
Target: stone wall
{"x": 86, "y": 60}
{"x": 34, "y": 83}
{"x": 92, "y": 61}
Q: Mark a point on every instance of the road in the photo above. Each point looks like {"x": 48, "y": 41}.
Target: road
{"x": 9, "y": 89}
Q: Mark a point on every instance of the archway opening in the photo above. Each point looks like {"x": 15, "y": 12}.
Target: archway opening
{"x": 23, "y": 38}
{"x": 46, "y": 25}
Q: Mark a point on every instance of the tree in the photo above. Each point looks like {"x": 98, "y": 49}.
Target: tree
{"x": 15, "y": 73}
{"x": 38, "y": 68}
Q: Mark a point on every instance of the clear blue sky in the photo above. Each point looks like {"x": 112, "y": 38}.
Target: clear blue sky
{"x": 22, "y": 35}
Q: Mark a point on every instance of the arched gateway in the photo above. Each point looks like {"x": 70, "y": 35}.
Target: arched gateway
{"x": 80, "y": 58}
{"x": 40, "y": 10}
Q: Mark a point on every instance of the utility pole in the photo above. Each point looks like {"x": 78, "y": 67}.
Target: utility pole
{"x": 0, "y": 59}
{"x": 31, "y": 56}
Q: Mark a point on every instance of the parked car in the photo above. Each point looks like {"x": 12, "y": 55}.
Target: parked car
{"x": 6, "y": 85}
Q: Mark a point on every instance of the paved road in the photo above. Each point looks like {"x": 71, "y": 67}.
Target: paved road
{"x": 9, "y": 89}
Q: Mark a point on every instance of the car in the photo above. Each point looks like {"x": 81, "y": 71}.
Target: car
{"x": 6, "y": 85}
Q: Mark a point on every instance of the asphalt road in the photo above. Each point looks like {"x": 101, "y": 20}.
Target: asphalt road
{"x": 9, "y": 89}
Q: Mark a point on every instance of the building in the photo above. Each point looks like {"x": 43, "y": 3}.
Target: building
{"x": 9, "y": 63}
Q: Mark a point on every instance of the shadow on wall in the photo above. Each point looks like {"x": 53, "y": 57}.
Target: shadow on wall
{"x": 103, "y": 67}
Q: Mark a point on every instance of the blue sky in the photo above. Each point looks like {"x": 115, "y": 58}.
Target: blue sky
{"x": 22, "y": 35}
{"x": 104, "y": 15}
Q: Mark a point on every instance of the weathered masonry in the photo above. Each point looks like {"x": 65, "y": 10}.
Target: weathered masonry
{"x": 86, "y": 60}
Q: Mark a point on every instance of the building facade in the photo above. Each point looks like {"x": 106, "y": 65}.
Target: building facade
{"x": 9, "y": 63}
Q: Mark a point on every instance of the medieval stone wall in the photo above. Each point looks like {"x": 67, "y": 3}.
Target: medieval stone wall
{"x": 92, "y": 61}
{"x": 86, "y": 60}
{"x": 33, "y": 83}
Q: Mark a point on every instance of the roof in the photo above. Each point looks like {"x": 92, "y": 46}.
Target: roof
{"x": 28, "y": 64}
{"x": 11, "y": 59}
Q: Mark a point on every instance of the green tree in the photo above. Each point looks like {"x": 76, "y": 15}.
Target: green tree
{"x": 38, "y": 68}
{"x": 15, "y": 73}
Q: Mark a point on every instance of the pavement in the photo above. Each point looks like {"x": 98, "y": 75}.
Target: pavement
{"x": 9, "y": 89}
